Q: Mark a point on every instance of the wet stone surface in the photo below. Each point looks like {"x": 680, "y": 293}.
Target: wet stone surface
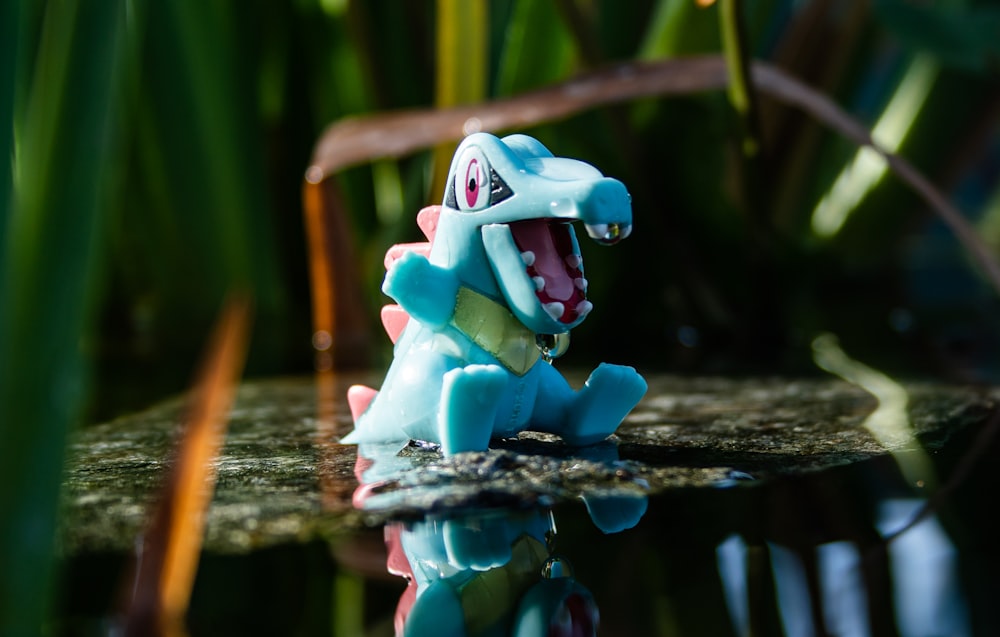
{"x": 283, "y": 478}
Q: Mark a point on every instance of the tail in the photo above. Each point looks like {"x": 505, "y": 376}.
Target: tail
{"x": 394, "y": 318}
{"x": 359, "y": 397}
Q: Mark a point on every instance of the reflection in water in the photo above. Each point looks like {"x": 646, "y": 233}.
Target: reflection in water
{"x": 924, "y": 569}
{"x": 926, "y": 595}
{"x": 486, "y": 571}
{"x": 889, "y": 424}
{"x": 842, "y": 551}
{"x": 845, "y": 606}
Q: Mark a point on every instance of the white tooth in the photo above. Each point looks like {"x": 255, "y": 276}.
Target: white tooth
{"x": 539, "y": 283}
{"x": 581, "y": 284}
{"x": 597, "y": 230}
{"x": 555, "y": 310}
{"x": 626, "y": 231}
{"x": 584, "y": 308}
{"x": 528, "y": 257}
{"x": 574, "y": 260}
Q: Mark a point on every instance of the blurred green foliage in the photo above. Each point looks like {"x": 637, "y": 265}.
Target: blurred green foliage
{"x": 53, "y": 231}
{"x": 153, "y": 152}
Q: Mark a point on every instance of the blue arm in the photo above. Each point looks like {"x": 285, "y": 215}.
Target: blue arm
{"x": 427, "y": 292}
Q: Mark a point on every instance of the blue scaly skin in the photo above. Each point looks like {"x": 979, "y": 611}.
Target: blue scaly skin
{"x": 504, "y": 267}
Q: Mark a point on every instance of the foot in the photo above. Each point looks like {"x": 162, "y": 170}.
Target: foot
{"x": 607, "y": 397}
{"x": 469, "y": 400}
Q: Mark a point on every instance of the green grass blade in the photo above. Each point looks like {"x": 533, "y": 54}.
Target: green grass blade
{"x": 537, "y": 49}
{"x": 462, "y": 42}
{"x": 10, "y": 18}
{"x": 196, "y": 216}
{"x": 49, "y": 270}
{"x": 740, "y": 90}
{"x": 679, "y": 27}
{"x": 462, "y": 67}
{"x": 207, "y": 46}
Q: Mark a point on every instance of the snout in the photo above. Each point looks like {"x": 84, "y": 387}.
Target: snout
{"x": 606, "y": 211}
{"x": 603, "y": 205}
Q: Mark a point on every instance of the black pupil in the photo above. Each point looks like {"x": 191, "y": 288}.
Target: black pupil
{"x": 472, "y": 183}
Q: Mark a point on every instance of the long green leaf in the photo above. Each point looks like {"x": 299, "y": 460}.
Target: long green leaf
{"x": 49, "y": 270}
{"x": 207, "y": 46}
{"x": 537, "y": 49}
{"x": 462, "y": 66}
{"x": 10, "y": 18}
{"x": 197, "y": 215}
{"x": 679, "y": 27}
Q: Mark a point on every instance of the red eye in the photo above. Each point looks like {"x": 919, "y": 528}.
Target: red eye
{"x": 472, "y": 185}
{"x": 472, "y": 182}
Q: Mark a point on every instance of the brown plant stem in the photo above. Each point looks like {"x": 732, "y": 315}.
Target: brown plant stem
{"x": 354, "y": 141}
{"x": 167, "y": 558}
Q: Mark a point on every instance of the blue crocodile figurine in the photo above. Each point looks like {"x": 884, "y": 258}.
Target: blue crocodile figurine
{"x": 485, "y": 570}
{"x": 486, "y": 574}
{"x": 490, "y": 301}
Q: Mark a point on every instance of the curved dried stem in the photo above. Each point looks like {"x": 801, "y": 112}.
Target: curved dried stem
{"x": 785, "y": 88}
{"x": 355, "y": 141}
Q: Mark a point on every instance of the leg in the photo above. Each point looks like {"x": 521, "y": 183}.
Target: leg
{"x": 469, "y": 399}
{"x": 591, "y": 414}
{"x": 607, "y": 397}
{"x": 552, "y": 400}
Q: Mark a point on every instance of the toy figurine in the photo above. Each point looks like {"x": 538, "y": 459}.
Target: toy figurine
{"x": 483, "y": 571}
{"x": 484, "y": 575}
{"x": 490, "y": 301}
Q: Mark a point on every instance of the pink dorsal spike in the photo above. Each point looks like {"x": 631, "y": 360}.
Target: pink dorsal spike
{"x": 394, "y": 319}
{"x": 427, "y": 219}
{"x": 396, "y": 251}
{"x": 358, "y": 398}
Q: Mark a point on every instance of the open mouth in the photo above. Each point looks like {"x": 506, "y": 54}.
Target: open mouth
{"x": 546, "y": 247}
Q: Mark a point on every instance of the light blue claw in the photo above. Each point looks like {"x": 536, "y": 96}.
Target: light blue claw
{"x": 427, "y": 292}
